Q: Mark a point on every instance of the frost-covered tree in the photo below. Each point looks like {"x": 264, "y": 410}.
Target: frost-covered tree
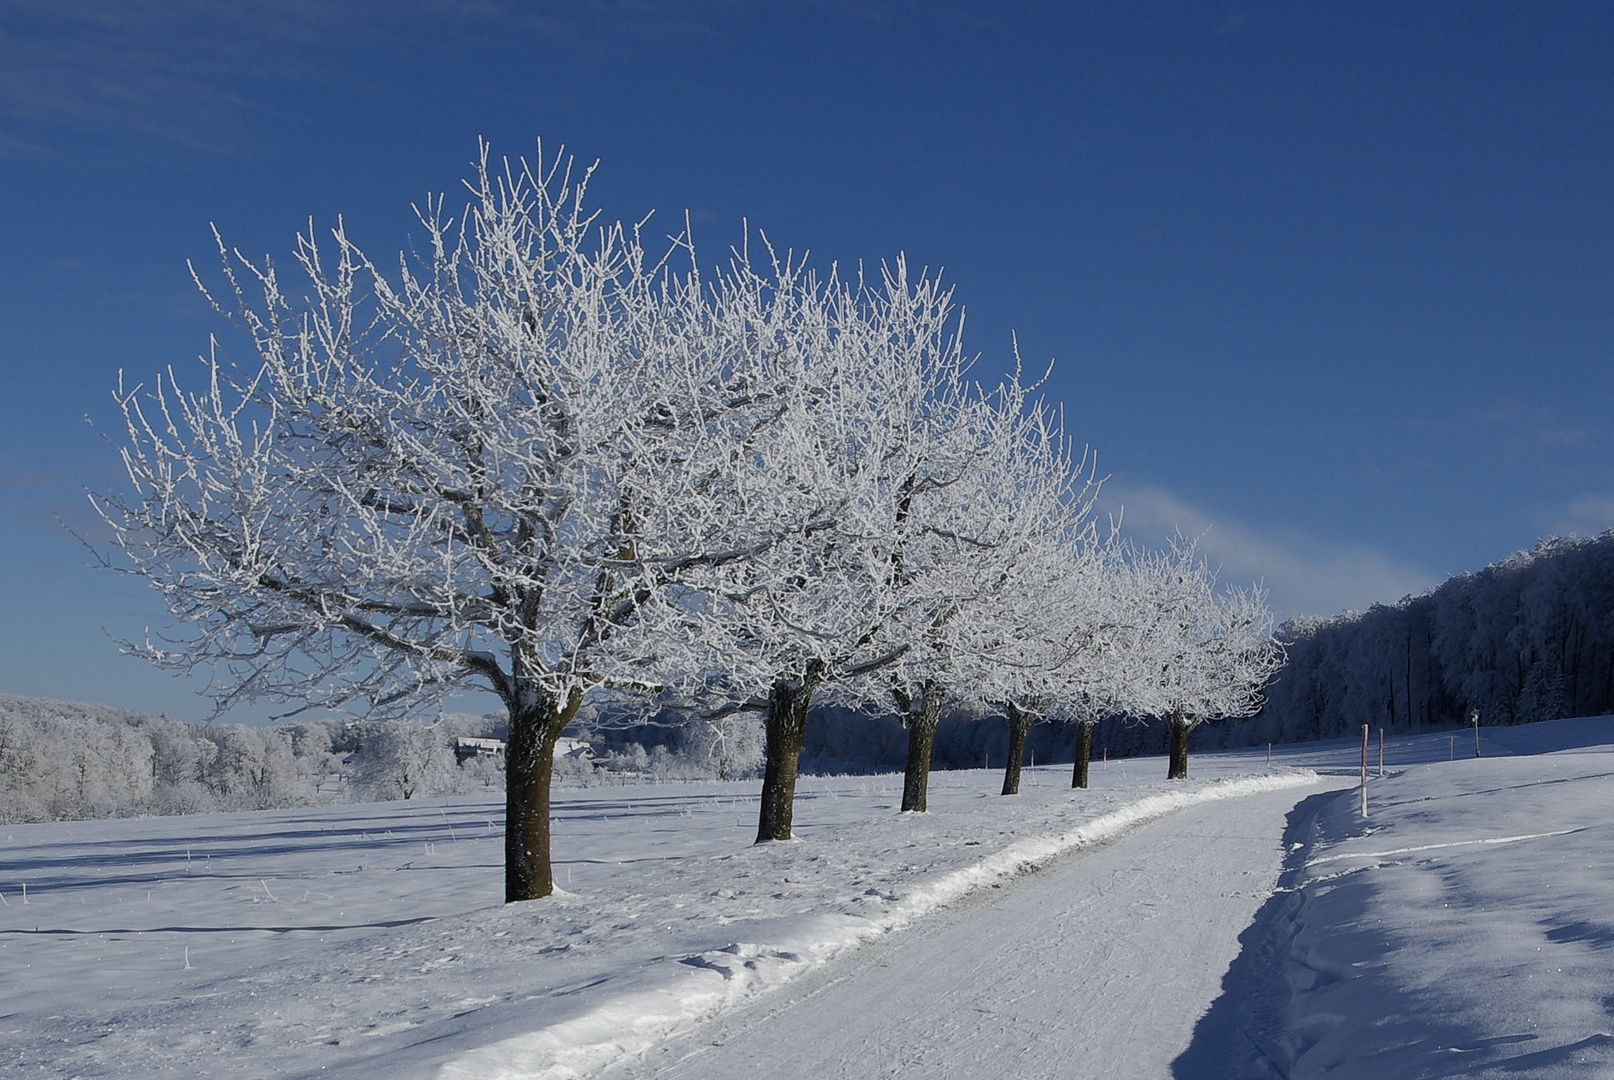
{"x": 251, "y": 769}
{"x": 861, "y": 378}
{"x": 1205, "y": 652}
{"x": 976, "y": 558}
{"x": 457, "y": 474}
{"x": 731, "y": 745}
{"x": 399, "y": 759}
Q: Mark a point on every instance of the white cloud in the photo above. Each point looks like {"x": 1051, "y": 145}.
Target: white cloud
{"x": 1302, "y": 574}
{"x": 1589, "y": 514}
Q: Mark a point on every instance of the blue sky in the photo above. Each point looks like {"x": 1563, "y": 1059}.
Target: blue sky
{"x": 1334, "y": 281}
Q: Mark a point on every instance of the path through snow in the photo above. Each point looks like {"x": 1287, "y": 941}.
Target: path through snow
{"x": 1097, "y": 965}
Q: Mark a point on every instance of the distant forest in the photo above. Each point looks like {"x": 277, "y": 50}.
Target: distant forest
{"x": 1528, "y": 638}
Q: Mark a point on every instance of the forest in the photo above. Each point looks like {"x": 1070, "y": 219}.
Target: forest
{"x": 1528, "y": 638}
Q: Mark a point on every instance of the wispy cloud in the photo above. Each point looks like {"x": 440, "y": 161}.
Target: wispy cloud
{"x": 1586, "y": 515}
{"x": 166, "y": 74}
{"x": 1302, "y": 574}
{"x": 170, "y": 73}
{"x": 1526, "y": 429}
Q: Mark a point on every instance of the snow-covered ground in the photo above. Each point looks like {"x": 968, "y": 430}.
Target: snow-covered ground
{"x": 1099, "y": 965}
{"x": 1463, "y": 928}
{"x": 362, "y": 940}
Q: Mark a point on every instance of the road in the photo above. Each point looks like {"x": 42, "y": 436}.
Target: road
{"x": 1100, "y": 964}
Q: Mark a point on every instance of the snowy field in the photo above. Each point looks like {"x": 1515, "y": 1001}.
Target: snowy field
{"x": 1463, "y": 926}
{"x": 1463, "y": 929}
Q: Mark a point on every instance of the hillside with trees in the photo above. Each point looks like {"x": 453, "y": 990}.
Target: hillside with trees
{"x": 1528, "y": 638}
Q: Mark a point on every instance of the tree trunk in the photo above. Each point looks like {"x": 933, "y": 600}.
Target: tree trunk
{"x": 921, "y": 737}
{"x": 1084, "y": 753}
{"x": 529, "y": 765}
{"x": 1180, "y": 727}
{"x": 1019, "y": 727}
{"x": 787, "y": 728}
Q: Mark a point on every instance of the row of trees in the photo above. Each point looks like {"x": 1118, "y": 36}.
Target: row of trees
{"x": 65, "y": 761}
{"x": 540, "y": 460}
{"x": 1528, "y": 638}
{"x": 61, "y": 761}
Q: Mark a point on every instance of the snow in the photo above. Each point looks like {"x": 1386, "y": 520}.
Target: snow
{"x": 369, "y": 939}
{"x": 1098, "y": 965}
{"x": 1464, "y": 927}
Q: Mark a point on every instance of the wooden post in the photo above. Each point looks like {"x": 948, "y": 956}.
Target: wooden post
{"x": 1475, "y": 718}
{"x": 1454, "y": 748}
{"x": 1269, "y": 757}
{"x": 1364, "y": 770}
{"x": 1381, "y": 751}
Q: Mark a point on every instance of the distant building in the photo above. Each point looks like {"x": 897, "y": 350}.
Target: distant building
{"x": 574, "y": 748}
{"x": 466, "y": 748}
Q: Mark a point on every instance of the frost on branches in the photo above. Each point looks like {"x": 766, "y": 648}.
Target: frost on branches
{"x": 462, "y": 473}
{"x": 538, "y": 460}
{"x": 1200, "y": 653}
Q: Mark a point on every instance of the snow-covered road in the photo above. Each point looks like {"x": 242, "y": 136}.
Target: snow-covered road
{"x": 1097, "y": 965}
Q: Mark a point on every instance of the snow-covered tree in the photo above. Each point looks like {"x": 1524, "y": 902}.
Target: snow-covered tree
{"x": 731, "y": 745}
{"x": 454, "y": 475}
{"x": 863, "y": 380}
{"x": 975, "y": 560}
{"x": 251, "y": 769}
{"x": 400, "y": 759}
{"x": 1205, "y": 652}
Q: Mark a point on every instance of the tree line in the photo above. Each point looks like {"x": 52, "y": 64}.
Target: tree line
{"x": 63, "y": 761}
{"x": 539, "y": 458}
{"x": 1528, "y": 638}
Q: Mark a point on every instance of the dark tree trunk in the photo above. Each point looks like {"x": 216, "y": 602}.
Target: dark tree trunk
{"x": 787, "y": 728}
{"x": 1019, "y": 727}
{"x": 1084, "y": 753}
{"x": 529, "y": 765}
{"x": 921, "y": 737}
{"x": 1180, "y": 727}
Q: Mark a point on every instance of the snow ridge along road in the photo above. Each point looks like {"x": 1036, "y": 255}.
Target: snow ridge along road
{"x": 711, "y": 983}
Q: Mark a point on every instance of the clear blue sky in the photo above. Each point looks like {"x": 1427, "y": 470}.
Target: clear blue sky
{"x": 1334, "y": 280}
